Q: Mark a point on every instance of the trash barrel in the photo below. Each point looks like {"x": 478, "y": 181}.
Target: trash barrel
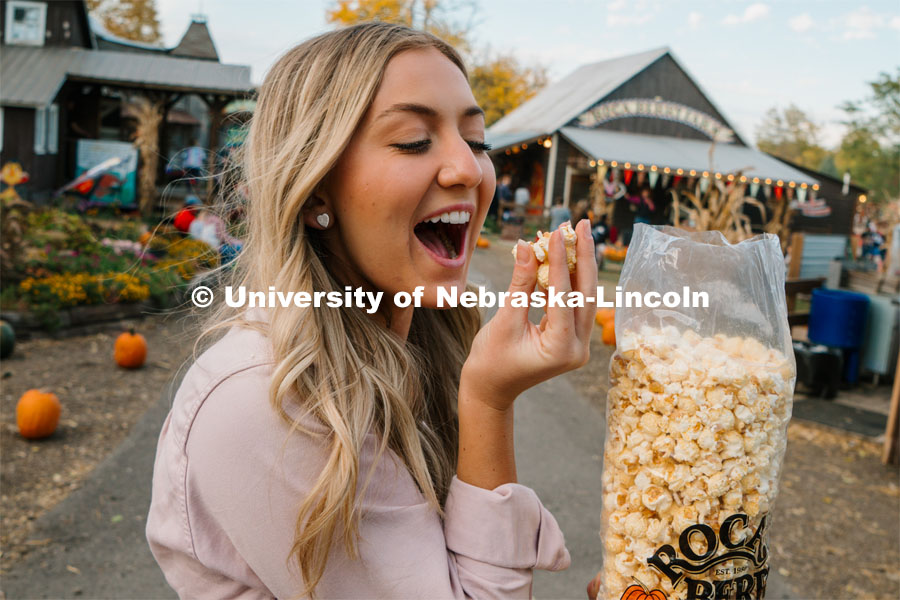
{"x": 837, "y": 318}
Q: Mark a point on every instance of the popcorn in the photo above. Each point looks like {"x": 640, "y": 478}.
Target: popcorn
{"x": 696, "y": 435}
{"x": 541, "y": 249}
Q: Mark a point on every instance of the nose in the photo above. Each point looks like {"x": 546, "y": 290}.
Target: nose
{"x": 459, "y": 166}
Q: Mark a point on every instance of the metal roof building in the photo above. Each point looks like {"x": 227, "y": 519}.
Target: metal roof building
{"x": 640, "y": 116}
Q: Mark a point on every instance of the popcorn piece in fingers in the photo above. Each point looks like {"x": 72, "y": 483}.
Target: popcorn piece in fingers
{"x": 541, "y": 249}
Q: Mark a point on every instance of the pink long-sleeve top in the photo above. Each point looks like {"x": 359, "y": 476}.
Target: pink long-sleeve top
{"x": 225, "y": 504}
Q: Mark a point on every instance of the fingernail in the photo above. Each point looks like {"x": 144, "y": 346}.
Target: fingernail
{"x": 521, "y": 253}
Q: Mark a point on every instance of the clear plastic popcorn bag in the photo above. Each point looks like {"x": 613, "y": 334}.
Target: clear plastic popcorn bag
{"x": 696, "y": 419}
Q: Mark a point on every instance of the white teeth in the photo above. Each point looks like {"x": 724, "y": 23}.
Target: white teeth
{"x": 454, "y": 217}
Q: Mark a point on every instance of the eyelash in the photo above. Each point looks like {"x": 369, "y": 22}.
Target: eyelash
{"x": 422, "y": 145}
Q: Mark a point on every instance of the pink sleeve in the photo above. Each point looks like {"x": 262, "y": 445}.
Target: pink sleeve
{"x": 225, "y": 507}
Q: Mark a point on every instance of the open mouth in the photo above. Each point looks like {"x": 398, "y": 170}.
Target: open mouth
{"x": 444, "y": 235}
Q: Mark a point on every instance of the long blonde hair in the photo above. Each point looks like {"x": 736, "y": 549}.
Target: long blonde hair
{"x": 350, "y": 373}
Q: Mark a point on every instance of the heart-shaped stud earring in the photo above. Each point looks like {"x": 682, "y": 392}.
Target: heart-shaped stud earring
{"x": 323, "y": 220}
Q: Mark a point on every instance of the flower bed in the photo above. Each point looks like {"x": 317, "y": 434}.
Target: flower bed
{"x": 65, "y": 260}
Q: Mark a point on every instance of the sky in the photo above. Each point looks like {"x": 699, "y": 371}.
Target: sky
{"x": 747, "y": 56}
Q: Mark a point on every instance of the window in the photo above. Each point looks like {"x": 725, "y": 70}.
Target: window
{"x": 40, "y": 130}
{"x": 25, "y": 22}
{"x": 46, "y": 129}
{"x": 53, "y": 129}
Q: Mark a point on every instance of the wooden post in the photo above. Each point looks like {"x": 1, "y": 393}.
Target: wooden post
{"x": 796, "y": 256}
{"x": 891, "y": 451}
{"x": 216, "y": 106}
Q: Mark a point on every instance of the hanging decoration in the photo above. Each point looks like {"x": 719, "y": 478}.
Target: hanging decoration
{"x": 754, "y": 189}
{"x": 628, "y": 175}
{"x": 767, "y": 191}
{"x": 665, "y": 179}
{"x": 654, "y": 177}
{"x": 801, "y": 195}
{"x": 704, "y": 185}
{"x": 676, "y": 180}
{"x": 779, "y": 192}
{"x": 601, "y": 172}
{"x": 641, "y": 178}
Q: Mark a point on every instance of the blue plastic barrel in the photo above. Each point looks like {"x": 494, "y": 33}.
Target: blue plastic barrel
{"x": 837, "y": 318}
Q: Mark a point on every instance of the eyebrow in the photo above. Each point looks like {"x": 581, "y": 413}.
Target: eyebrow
{"x": 426, "y": 111}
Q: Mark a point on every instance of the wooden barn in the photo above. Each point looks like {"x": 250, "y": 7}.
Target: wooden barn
{"x": 641, "y": 121}
{"x": 69, "y": 85}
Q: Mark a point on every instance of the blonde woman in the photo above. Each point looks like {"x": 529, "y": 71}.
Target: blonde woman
{"x": 329, "y": 452}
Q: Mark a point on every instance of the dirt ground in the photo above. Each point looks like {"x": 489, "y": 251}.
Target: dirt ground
{"x": 834, "y": 530}
{"x": 836, "y": 521}
{"x": 100, "y": 404}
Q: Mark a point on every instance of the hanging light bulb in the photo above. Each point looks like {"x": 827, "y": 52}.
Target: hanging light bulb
{"x": 653, "y": 168}
{"x": 743, "y": 178}
{"x": 680, "y": 171}
{"x": 600, "y": 162}
{"x": 614, "y": 164}
{"x": 548, "y": 142}
{"x": 792, "y": 184}
{"x": 693, "y": 173}
{"x": 667, "y": 170}
{"x": 627, "y": 165}
{"x": 640, "y": 167}
{"x": 593, "y": 163}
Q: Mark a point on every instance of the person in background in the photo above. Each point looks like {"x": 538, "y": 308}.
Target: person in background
{"x": 194, "y": 160}
{"x": 522, "y": 200}
{"x": 645, "y": 206}
{"x": 559, "y": 214}
{"x": 502, "y": 198}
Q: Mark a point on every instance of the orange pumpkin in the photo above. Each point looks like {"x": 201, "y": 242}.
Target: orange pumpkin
{"x": 37, "y": 414}
{"x": 609, "y": 333}
{"x": 145, "y": 238}
{"x": 483, "y": 242}
{"x": 130, "y": 350}
{"x": 604, "y": 315}
{"x": 616, "y": 254}
{"x": 637, "y": 591}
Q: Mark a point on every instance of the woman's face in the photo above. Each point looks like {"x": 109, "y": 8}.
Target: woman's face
{"x": 411, "y": 191}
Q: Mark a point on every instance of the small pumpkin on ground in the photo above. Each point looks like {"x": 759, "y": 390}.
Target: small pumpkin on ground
{"x": 37, "y": 414}
{"x": 604, "y": 315}
{"x": 130, "y": 350}
{"x": 7, "y": 339}
{"x": 483, "y": 242}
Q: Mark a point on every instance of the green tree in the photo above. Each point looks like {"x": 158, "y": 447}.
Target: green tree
{"x": 499, "y": 82}
{"x": 870, "y": 150}
{"x": 130, "y": 19}
{"x": 790, "y": 134}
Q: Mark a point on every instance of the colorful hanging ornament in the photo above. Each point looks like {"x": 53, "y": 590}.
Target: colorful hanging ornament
{"x": 801, "y": 195}
{"x": 704, "y": 184}
{"x": 628, "y": 175}
{"x": 666, "y": 178}
{"x": 779, "y": 192}
{"x": 754, "y": 189}
{"x": 676, "y": 180}
{"x": 767, "y": 191}
{"x": 654, "y": 177}
{"x": 641, "y": 177}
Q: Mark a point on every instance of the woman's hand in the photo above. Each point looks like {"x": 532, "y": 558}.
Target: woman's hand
{"x": 511, "y": 354}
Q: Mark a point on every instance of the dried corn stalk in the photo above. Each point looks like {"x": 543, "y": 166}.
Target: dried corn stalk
{"x": 146, "y": 140}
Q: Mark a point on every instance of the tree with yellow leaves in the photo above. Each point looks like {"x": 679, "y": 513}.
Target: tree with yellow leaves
{"x": 130, "y": 19}
{"x": 499, "y": 83}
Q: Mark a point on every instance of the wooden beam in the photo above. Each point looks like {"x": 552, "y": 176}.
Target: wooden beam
{"x": 796, "y": 256}
{"x": 891, "y": 451}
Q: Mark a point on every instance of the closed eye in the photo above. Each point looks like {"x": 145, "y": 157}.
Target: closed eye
{"x": 422, "y": 145}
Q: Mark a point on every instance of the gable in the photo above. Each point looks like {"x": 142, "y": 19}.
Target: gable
{"x": 669, "y": 101}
